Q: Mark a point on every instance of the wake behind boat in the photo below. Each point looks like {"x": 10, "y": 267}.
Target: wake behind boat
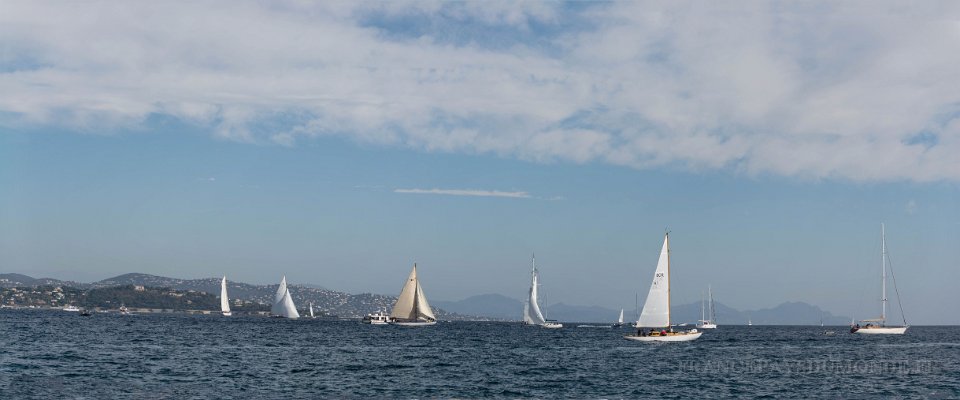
{"x": 656, "y": 310}
{"x": 878, "y": 325}
{"x": 411, "y": 308}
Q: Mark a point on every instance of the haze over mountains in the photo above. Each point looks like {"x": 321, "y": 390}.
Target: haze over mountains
{"x": 487, "y": 306}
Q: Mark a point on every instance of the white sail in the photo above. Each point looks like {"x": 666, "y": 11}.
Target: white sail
{"x": 311, "y": 310}
{"x": 283, "y": 303}
{"x": 224, "y": 301}
{"x": 280, "y": 291}
{"x": 412, "y": 303}
{"x": 531, "y": 310}
{"x": 656, "y": 310}
{"x": 620, "y": 320}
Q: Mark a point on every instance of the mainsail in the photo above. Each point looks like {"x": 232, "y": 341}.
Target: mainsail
{"x": 531, "y": 309}
{"x": 224, "y": 301}
{"x": 412, "y": 304}
{"x": 656, "y": 310}
{"x": 620, "y": 320}
{"x": 283, "y": 303}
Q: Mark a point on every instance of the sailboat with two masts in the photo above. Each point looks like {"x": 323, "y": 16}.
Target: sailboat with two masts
{"x": 531, "y": 309}
{"x": 879, "y": 325}
{"x": 411, "y": 308}
{"x": 283, "y": 306}
{"x": 704, "y": 322}
{"x": 656, "y": 310}
{"x": 224, "y": 301}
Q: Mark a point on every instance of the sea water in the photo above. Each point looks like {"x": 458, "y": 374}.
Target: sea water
{"x": 49, "y": 354}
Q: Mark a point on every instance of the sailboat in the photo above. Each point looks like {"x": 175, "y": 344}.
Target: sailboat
{"x": 531, "y": 309}
{"x": 311, "y": 311}
{"x": 878, "y": 325}
{"x": 656, "y": 310}
{"x": 704, "y": 322}
{"x": 411, "y": 308}
{"x": 224, "y": 301}
{"x": 619, "y": 320}
{"x": 283, "y": 306}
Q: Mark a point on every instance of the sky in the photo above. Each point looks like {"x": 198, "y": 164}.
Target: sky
{"x": 338, "y": 143}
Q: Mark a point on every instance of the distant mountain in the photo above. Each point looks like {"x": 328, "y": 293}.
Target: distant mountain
{"x": 503, "y": 307}
{"x": 324, "y": 301}
{"x": 20, "y": 280}
{"x": 487, "y": 305}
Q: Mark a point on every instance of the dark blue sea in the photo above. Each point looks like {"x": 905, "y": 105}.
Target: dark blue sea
{"x": 53, "y": 355}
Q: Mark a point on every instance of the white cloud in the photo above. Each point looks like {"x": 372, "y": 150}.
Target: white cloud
{"x": 812, "y": 90}
{"x": 466, "y": 192}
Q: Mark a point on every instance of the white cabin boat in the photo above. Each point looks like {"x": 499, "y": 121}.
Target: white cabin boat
{"x": 656, "y": 310}
{"x": 378, "y": 318}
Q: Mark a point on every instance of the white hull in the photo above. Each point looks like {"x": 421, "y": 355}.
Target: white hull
{"x": 552, "y": 325}
{"x": 707, "y": 326}
{"x": 682, "y": 337}
{"x": 227, "y": 314}
{"x": 378, "y": 322}
{"x": 886, "y": 330}
{"x": 414, "y": 323}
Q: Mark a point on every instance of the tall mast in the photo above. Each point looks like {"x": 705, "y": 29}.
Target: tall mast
{"x": 416, "y": 294}
{"x": 667, "y": 239}
{"x": 713, "y": 312}
{"x": 883, "y": 274}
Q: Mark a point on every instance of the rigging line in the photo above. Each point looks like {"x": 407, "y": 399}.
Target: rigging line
{"x": 902, "y": 315}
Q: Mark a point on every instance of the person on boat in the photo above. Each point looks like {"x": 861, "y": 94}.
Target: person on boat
{"x": 663, "y": 332}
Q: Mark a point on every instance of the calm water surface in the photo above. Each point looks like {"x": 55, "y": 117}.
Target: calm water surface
{"x": 46, "y": 354}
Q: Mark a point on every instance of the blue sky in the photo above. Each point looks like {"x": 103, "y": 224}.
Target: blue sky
{"x": 339, "y": 143}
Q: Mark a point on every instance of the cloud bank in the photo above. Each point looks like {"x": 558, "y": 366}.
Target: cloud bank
{"x": 836, "y": 90}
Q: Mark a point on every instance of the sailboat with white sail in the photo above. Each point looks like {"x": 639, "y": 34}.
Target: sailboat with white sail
{"x": 704, "y": 322}
{"x": 283, "y": 306}
{"x": 411, "y": 308}
{"x": 656, "y": 310}
{"x": 224, "y": 301}
{"x": 311, "y": 310}
{"x": 531, "y": 309}
{"x": 619, "y": 320}
{"x": 879, "y": 325}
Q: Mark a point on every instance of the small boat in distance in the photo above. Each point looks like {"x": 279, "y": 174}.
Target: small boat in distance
{"x": 124, "y": 310}
{"x": 85, "y": 313}
{"x": 619, "y": 322}
{"x": 71, "y": 308}
{"x": 656, "y": 310}
{"x": 531, "y": 309}
{"x": 283, "y": 306}
{"x": 411, "y": 308}
{"x": 378, "y": 318}
{"x": 224, "y": 301}
{"x": 311, "y": 311}
{"x": 705, "y": 323}
{"x": 878, "y": 325}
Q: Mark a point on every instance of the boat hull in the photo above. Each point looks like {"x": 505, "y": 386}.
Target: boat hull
{"x": 679, "y": 337}
{"x": 552, "y": 325}
{"x": 707, "y": 326}
{"x": 884, "y": 330}
{"x": 413, "y": 323}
